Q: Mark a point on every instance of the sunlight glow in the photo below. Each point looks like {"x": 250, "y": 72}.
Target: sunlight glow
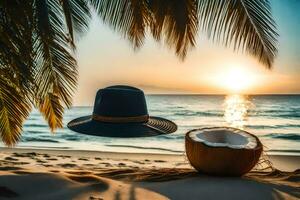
{"x": 236, "y": 80}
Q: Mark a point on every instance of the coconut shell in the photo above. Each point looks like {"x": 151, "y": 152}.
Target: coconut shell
{"x": 222, "y": 161}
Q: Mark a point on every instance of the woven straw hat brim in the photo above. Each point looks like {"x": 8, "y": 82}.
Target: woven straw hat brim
{"x": 153, "y": 127}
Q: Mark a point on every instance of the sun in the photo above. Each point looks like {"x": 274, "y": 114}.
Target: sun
{"x": 236, "y": 80}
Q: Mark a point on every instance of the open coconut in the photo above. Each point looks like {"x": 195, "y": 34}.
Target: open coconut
{"x": 222, "y": 150}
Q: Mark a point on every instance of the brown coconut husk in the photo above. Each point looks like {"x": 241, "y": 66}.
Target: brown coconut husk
{"x": 222, "y": 161}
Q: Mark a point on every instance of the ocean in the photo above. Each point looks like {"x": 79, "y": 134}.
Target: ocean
{"x": 275, "y": 119}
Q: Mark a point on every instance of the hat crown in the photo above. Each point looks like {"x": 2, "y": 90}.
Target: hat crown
{"x": 120, "y": 101}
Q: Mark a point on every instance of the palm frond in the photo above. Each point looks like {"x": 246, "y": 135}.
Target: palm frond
{"x": 52, "y": 109}
{"x": 14, "y": 109}
{"x": 177, "y": 21}
{"x": 77, "y": 15}
{"x": 15, "y": 41}
{"x": 16, "y": 67}
{"x": 56, "y": 73}
{"x": 129, "y": 17}
{"x": 248, "y": 24}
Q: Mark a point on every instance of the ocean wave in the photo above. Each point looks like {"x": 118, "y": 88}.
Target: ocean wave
{"x": 273, "y": 126}
{"x": 146, "y": 148}
{"x": 36, "y": 118}
{"x": 287, "y": 136}
{"x": 289, "y": 115}
{"x": 40, "y": 132}
{"x": 171, "y": 137}
{"x": 275, "y": 113}
{"x": 36, "y": 125}
{"x": 72, "y": 137}
{"x": 199, "y": 113}
{"x": 35, "y": 139}
{"x": 78, "y": 137}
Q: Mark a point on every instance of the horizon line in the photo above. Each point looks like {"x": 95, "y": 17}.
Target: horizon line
{"x": 215, "y": 94}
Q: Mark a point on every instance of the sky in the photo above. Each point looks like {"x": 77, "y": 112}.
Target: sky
{"x": 106, "y": 58}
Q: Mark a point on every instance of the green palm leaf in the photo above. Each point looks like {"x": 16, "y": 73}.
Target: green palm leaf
{"x": 16, "y": 57}
{"x": 14, "y": 109}
{"x": 247, "y": 24}
{"x": 56, "y": 73}
{"x": 129, "y": 17}
{"x": 77, "y": 15}
{"x": 177, "y": 21}
{"x": 52, "y": 109}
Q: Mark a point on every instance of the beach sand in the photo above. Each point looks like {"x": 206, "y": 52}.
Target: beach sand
{"x": 67, "y": 174}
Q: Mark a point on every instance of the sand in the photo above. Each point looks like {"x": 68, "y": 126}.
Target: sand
{"x": 68, "y": 174}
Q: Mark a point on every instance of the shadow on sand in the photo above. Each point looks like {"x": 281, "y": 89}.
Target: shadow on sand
{"x": 160, "y": 183}
{"x": 276, "y": 185}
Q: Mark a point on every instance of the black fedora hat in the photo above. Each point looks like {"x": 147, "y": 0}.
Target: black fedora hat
{"x": 121, "y": 111}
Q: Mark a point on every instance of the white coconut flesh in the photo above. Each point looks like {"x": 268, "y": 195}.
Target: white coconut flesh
{"x": 224, "y": 137}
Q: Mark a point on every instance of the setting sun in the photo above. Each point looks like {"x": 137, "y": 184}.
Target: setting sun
{"x": 236, "y": 79}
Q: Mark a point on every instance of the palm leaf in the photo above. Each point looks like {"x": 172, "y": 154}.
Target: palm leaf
{"x": 16, "y": 67}
{"x": 52, "y": 109}
{"x": 247, "y": 24}
{"x": 129, "y": 17}
{"x": 177, "y": 21}
{"x": 77, "y": 15}
{"x": 14, "y": 109}
{"x": 56, "y": 73}
{"x": 15, "y": 41}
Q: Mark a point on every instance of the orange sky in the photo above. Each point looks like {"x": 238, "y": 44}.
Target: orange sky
{"x": 105, "y": 58}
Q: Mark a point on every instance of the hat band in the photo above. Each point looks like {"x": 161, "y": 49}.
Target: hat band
{"x": 141, "y": 118}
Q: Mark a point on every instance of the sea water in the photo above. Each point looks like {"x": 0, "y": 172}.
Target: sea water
{"x": 275, "y": 119}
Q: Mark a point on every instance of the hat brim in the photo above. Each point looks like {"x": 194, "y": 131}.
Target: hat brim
{"x": 153, "y": 127}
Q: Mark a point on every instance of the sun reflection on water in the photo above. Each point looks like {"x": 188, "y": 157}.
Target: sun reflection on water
{"x": 236, "y": 109}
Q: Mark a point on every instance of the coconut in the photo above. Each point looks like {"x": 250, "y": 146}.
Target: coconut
{"x": 222, "y": 150}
